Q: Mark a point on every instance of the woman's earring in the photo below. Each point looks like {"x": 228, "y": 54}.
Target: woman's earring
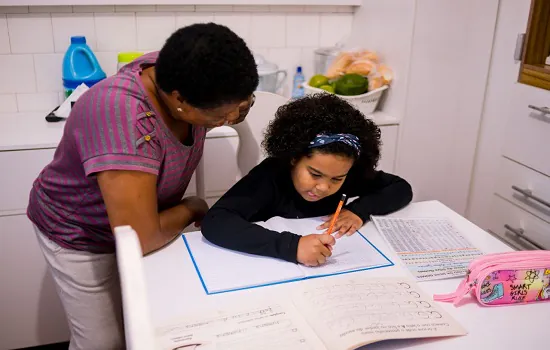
{"x": 179, "y": 109}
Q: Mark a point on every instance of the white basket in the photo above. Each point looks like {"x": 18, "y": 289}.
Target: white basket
{"x": 366, "y": 103}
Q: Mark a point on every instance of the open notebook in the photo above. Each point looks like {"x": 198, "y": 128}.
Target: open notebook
{"x": 222, "y": 270}
{"x": 334, "y": 314}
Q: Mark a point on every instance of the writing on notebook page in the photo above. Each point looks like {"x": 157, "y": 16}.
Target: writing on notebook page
{"x": 431, "y": 248}
{"x": 232, "y": 270}
{"x": 344, "y": 257}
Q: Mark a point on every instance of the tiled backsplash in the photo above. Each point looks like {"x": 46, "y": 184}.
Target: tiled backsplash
{"x": 33, "y": 39}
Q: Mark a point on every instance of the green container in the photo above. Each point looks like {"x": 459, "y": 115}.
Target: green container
{"x": 126, "y": 57}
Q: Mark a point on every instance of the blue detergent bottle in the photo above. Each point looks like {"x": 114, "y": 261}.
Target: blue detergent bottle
{"x": 80, "y": 66}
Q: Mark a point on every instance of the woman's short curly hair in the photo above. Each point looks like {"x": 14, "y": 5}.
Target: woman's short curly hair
{"x": 208, "y": 65}
{"x": 297, "y": 123}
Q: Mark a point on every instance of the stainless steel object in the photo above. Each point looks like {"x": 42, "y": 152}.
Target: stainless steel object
{"x": 323, "y": 58}
{"x": 529, "y": 194}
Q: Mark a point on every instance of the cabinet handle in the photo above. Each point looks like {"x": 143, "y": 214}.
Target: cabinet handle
{"x": 543, "y": 110}
{"x": 520, "y": 233}
{"x": 529, "y": 194}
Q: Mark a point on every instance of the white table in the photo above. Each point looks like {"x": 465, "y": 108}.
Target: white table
{"x": 174, "y": 290}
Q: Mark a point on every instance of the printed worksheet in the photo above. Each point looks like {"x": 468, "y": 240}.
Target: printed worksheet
{"x": 334, "y": 314}
{"x": 269, "y": 327}
{"x": 431, "y": 248}
{"x": 347, "y": 313}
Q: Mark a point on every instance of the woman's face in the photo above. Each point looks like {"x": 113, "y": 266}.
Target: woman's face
{"x": 320, "y": 175}
{"x": 230, "y": 113}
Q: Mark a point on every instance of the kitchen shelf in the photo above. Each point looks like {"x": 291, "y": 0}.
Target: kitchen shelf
{"x": 178, "y": 2}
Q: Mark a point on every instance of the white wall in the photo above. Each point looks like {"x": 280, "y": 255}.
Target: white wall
{"x": 387, "y": 28}
{"x": 34, "y": 39}
{"x": 449, "y": 62}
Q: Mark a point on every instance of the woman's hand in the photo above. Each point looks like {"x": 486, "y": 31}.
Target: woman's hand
{"x": 198, "y": 208}
{"x": 314, "y": 249}
{"x": 346, "y": 224}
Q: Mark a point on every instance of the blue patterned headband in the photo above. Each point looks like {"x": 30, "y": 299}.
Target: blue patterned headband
{"x": 348, "y": 139}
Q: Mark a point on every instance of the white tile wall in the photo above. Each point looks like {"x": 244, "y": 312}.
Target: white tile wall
{"x": 17, "y": 72}
{"x": 107, "y": 61}
{"x": 115, "y": 31}
{"x": 30, "y": 33}
{"x": 268, "y": 30}
{"x": 334, "y": 27}
{"x": 45, "y": 101}
{"x": 237, "y": 22}
{"x": 34, "y": 39}
{"x": 4, "y": 37}
{"x": 187, "y": 18}
{"x": 66, "y": 25}
{"x": 296, "y": 36}
{"x": 153, "y": 28}
{"x": 8, "y": 103}
{"x": 47, "y": 68}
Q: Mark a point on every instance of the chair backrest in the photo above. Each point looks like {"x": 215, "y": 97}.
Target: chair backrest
{"x": 138, "y": 327}
{"x": 251, "y": 131}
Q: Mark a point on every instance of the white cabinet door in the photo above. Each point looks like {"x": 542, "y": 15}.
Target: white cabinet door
{"x": 30, "y": 311}
{"x": 19, "y": 170}
{"x": 508, "y": 126}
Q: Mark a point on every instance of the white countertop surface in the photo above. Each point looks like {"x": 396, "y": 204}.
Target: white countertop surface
{"x": 174, "y": 291}
{"x": 24, "y": 131}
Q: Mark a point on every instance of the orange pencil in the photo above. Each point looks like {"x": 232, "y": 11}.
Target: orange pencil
{"x": 335, "y": 217}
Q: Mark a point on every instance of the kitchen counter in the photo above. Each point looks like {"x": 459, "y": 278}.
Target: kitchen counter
{"x": 24, "y": 131}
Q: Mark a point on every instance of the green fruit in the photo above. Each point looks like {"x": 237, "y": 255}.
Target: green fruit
{"x": 318, "y": 81}
{"x": 352, "y": 85}
{"x": 327, "y": 88}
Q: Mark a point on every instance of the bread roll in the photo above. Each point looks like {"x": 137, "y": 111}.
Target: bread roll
{"x": 362, "y": 67}
{"x": 339, "y": 65}
{"x": 386, "y": 73}
{"x": 376, "y": 82}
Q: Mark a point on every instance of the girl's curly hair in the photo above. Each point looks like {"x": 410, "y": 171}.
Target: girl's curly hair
{"x": 297, "y": 123}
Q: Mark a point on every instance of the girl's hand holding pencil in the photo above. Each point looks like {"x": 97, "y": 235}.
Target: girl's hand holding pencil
{"x": 343, "y": 221}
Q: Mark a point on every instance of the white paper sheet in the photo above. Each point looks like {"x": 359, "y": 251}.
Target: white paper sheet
{"x": 431, "y": 248}
{"x": 350, "y": 312}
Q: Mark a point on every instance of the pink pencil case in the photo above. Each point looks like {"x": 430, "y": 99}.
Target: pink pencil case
{"x": 505, "y": 279}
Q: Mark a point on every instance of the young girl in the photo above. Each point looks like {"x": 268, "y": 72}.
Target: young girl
{"x": 319, "y": 147}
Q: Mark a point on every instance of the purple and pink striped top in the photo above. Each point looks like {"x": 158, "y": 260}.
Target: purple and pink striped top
{"x": 113, "y": 126}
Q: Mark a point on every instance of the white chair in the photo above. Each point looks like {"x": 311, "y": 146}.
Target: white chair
{"x": 251, "y": 130}
{"x": 250, "y": 134}
{"x": 138, "y": 328}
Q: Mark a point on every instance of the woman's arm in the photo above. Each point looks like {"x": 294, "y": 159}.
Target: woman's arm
{"x": 131, "y": 199}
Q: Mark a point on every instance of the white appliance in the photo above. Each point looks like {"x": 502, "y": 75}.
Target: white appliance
{"x": 271, "y": 77}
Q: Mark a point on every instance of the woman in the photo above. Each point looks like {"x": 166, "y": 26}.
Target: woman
{"x": 129, "y": 149}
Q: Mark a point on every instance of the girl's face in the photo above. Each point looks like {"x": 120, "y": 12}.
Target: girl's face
{"x": 320, "y": 175}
